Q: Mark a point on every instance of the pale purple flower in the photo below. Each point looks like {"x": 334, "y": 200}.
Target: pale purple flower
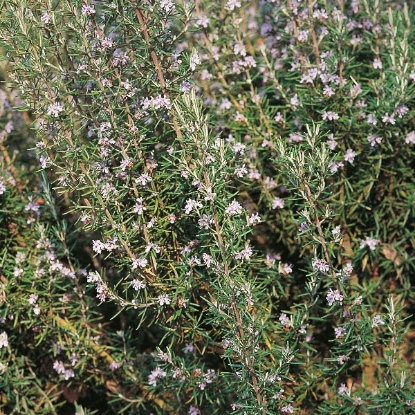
{"x": 295, "y": 138}
{"x": 232, "y": 5}
{"x": 192, "y": 204}
{"x": 107, "y": 43}
{"x": 4, "y": 341}
{"x": 241, "y": 171}
{"x": 244, "y": 254}
{"x": 97, "y": 246}
{"x": 342, "y": 359}
{"x": 279, "y": 118}
{"x": 59, "y": 367}
{"x": 357, "y": 401}
{"x": 205, "y": 221}
{"x": 303, "y": 35}
{"x": 143, "y": 179}
{"x": 284, "y": 320}
{"x": 333, "y": 296}
{"x": 193, "y": 410}
{"x": 320, "y": 14}
{"x": 288, "y": 409}
{"x": 138, "y": 284}
{"x": 163, "y": 299}
{"x": 194, "y": 61}
{"x": 87, "y": 10}
{"x": 111, "y": 244}
{"x": 45, "y": 19}
{"x": 152, "y": 246}
{"x": 203, "y": 21}
{"x": 32, "y": 299}
{"x": 2, "y": 186}
{"x": 139, "y": 208}
{"x": 377, "y": 321}
{"x": 348, "y": 269}
{"x": 388, "y": 119}
{"x": 371, "y": 119}
{"x": 330, "y": 115}
{"x": 321, "y": 265}
{"x": 331, "y": 142}
{"x": 277, "y": 202}
{"x": 328, "y": 91}
{"x": 239, "y": 49}
{"x": 343, "y": 389}
{"x": 100, "y": 288}
{"x": 334, "y": 166}
{"x": 410, "y": 138}
{"x": 234, "y": 208}
{"x": 286, "y": 268}
{"x": 377, "y": 64}
{"x": 369, "y": 242}
{"x": 158, "y": 372}
{"x": 349, "y": 156}
{"x": 55, "y": 109}
{"x": 401, "y": 111}
{"x": 225, "y": 104}
{"x": 294, "y": 101}
{"x": 189, "y": 348}
{"x": 254, "y": 219}
{"x": 114, "y": 366}
{"x": 374, "y": 140}
{"x": 167, "y": 5}
{"x": 340, "y": 332}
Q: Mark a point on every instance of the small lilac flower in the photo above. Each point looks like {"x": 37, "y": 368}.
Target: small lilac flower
{"x": 163, "y": 299}
{"x": 288, "y": 409}
{"x": 410, "y": 138}
{"x": 333, "y": 296}
{"x": 137, "y": 284}
{"x": 343, "y": 390}
{"x": 45, "y": 19}
{"x": 369, "y": 242}
{"x": 244, "y": 254}
{"x": 194, "y": 61}
{"x": 321, "y": 265}
{"x": 114, "y": 366}
{"x": 190, "y": 348}
{"x": 377, "y": 321}
{"x": 87, "y": 10}
{"x": 330, "y": 115}
{"x": 97, "y": 246}
{"x": 284, "y": 320}
{"x": 234, "y": 208}
{"x": 342, "y": 359}
{"x": 278, "y": 203}
{"x": 374, "y": 140}
{"x": 286, "y": 269}
{"x": 350, "y": 155}
{"x": 232, "y": 5}
{"x": 192, "y": 204}
{"x": 377, "y": 64}
{"x": 388, "y": 119}
{"x": 158, "y": 372}
{"x": 193, "y": 410}
{"x": 340, "y": 332}
{"x": 4, "y": 341}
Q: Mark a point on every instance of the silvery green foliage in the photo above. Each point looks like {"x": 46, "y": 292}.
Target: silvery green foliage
{"x": 216, "y": 213}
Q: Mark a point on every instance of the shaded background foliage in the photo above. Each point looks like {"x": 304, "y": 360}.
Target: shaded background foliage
{"x": 272, "y": 77}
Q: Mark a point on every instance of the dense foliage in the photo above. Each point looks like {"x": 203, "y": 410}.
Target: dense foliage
{"x": 207, "y": 207}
